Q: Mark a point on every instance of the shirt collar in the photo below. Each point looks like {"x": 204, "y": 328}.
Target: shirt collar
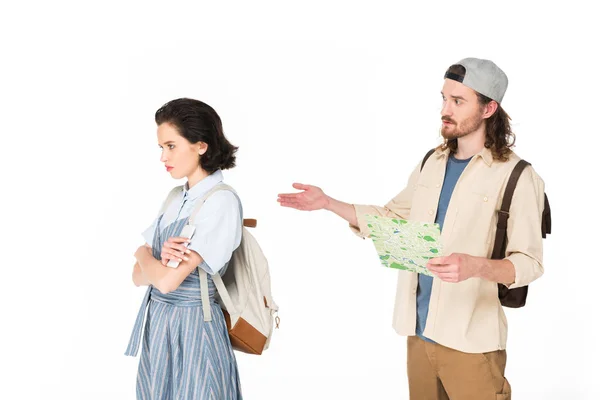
{"x": 202, "y": 187}
{"x": 485, "y": 154}
{"x": 439, "y": 152}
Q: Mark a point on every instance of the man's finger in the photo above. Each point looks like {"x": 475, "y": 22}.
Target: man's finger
{"x": 288, "y": 196}
{"x": 288, "y": 200}
{"x": 437, "y": 260}
{"x": 301, "y": 186}
{"x": 448, "y": 276}
{"x": 446, "y": 268}
{"x": 438, "y": 267}
{"x": 290, "y": 204}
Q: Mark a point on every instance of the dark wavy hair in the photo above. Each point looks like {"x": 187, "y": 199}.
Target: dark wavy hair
{"x": 499, "y": 137}
{"x": 198, "y": 122}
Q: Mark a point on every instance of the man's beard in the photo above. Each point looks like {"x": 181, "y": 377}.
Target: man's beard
{"x": 466, "y": 127}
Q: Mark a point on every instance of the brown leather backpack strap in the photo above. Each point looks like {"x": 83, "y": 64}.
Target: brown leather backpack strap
{"x": 429, "y": 153}
{"x": 503, "y": 213}
{"x": 250, "y": 223}
{"x": 546, "y": 218}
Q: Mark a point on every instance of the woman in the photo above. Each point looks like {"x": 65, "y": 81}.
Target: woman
{"x": 183, "y": 356}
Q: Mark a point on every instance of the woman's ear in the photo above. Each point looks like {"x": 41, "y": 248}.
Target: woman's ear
{"x": 202, "y": 148}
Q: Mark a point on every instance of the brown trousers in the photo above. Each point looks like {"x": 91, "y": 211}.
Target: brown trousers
{"x": 436, "y": 372}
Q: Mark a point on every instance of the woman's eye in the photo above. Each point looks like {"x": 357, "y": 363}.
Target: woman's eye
{"x": 171, "y": 147}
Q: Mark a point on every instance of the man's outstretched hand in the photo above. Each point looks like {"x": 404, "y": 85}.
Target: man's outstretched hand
{"x": 309, "y": 199}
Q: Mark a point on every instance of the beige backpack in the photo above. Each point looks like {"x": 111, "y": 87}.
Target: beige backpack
{"x": 244, "y": 291}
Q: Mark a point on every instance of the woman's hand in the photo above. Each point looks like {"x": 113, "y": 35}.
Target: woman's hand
{"x": 174, "y": 249}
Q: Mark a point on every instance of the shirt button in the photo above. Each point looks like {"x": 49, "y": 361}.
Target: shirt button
{"x": 437, "y": 186}
{"x": 430, "y": 212}
{"x": 414, "y": 291}
{"x": 485, "y": 198}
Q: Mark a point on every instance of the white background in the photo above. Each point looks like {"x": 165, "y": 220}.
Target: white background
{"x": 340, "y": 95}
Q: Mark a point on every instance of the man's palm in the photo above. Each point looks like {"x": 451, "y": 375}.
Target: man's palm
{"x": 311, "y": 198}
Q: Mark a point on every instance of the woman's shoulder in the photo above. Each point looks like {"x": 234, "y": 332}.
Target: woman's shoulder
{"x": 170, "y": 199}
{"x": 219, "y": 203}
{"x": 174, "y": 192}
{"x": 224, "y": 198}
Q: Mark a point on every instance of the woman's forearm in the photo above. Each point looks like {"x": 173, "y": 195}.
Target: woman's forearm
{"x": 139, "y": 279}
{"x": 152, "y": 269}
{"x": 165, "y": 279}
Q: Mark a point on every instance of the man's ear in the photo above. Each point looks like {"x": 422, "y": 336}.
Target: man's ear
{"x": 490, "y": 108}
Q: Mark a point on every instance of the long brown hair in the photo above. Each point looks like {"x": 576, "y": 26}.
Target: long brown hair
{"x": 499, "y": 137}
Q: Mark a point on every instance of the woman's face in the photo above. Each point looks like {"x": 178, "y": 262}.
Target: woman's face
{"x": 181, "y": 158}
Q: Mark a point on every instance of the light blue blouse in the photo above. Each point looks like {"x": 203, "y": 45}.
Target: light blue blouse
{"x": 218, "y": 223}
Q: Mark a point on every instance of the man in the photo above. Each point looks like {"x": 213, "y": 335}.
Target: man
{"x": 455, "y": 324}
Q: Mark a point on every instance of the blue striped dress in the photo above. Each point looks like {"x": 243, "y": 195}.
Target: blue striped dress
{"x": 183, "y": 356}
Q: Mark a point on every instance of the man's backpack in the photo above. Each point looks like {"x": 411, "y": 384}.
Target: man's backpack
{"x": 513, "y": 298}
{"x": 244, "y": 290}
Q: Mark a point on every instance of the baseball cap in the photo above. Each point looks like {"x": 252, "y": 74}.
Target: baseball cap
{"x": 482, "y": 76}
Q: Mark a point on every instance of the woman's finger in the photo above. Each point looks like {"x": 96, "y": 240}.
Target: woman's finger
{"x": 173, "y": 254}
{"x": 177, "y": 239}
{"x": 176, "y": 246}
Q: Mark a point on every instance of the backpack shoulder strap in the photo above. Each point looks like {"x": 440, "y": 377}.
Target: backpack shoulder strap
{"x": 220, "y": 286}
{"x": 503, "y": 213}
{"x": 429, "y": 153}
{"x": 546, "y": 218}
{"x": 172, "y": 194}
{"x": 198, "y": 205}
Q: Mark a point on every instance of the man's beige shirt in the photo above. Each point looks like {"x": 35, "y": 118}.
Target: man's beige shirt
{"x": 467, "y": 316}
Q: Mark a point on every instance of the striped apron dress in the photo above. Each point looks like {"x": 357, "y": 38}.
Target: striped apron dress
{"x": 183, "y": 356}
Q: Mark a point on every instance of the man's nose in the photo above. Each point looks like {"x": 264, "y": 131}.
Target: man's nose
{"x": 446, "y": 110}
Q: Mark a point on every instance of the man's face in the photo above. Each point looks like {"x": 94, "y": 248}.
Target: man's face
{"x": 461, "y": 112}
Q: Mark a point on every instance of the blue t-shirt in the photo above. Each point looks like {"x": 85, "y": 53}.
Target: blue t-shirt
{"x": 454, "y": 168}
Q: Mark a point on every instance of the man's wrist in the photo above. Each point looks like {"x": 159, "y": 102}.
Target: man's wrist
{"x": 328, "y": 203}
{"x": 480, "y": 265}
{"x": 499, "y": 272}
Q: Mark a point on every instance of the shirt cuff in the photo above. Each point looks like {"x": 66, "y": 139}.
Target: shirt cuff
{"x": 527, "y": 270}
{"x": 362, "y": 230}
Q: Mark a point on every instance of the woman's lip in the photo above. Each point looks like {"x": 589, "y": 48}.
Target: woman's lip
{"x": 169, "y": 168}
